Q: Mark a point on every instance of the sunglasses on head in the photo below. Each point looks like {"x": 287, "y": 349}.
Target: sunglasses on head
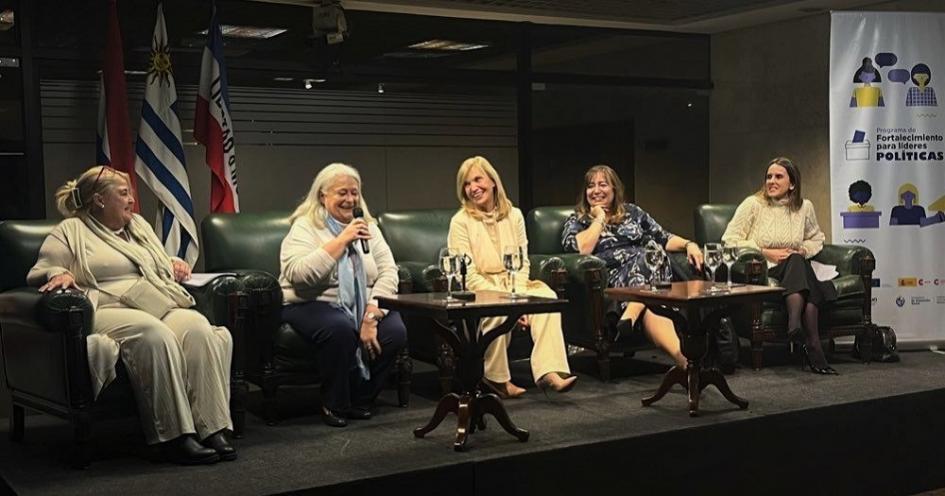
{"x": 99, "y": 176}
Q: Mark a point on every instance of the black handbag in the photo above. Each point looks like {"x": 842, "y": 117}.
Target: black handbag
{"x": 723, "y": 348}
{"x": 884, "y": 346}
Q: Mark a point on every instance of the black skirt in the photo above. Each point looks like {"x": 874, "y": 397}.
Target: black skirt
{"x": 796, "y": 275}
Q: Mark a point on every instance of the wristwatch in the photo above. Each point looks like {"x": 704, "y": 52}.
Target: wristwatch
{"x": 374, "y": 317}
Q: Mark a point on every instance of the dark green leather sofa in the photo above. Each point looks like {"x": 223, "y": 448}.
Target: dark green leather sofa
{"x": 43, "y": 342}
{"x": 416, "y": 238}
{"x": 274, "y": 354}
{"x": 849, "y": 315}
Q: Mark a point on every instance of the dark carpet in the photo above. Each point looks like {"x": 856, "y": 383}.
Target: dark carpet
{"x": 598, "y": 432}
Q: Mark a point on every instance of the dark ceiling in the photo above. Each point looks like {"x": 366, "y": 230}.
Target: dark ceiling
{"x": 69, "y": 39}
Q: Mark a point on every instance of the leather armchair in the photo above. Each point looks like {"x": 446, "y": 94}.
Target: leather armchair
{"x": 416, "y": 238}
{"x": 583, "y": 280}
{"x": 43, "y": 342}
{"x": 274, "y": 354}
{"x": 849, "y": 315}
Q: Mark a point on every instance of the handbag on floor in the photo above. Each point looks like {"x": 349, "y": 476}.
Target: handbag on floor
{"x": 884, "y": 345}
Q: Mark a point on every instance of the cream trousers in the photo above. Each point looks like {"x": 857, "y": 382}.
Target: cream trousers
{"x": 549, "y": 353}
{"x": 179, "y": 368}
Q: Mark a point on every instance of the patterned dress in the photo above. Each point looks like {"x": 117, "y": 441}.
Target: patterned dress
{"x": 621, "y": 246}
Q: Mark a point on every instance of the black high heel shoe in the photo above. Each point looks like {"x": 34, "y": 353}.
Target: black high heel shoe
{"x": 796, "y": 335}
{"x": 825, "y": 370}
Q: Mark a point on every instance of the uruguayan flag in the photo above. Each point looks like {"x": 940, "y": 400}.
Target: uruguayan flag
{"x": 160, "y": 152}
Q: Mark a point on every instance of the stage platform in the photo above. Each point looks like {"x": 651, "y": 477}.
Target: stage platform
{"x": 875, "y": 429}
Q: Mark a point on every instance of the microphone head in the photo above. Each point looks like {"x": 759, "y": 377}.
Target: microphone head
{"x": 357, "y": 212}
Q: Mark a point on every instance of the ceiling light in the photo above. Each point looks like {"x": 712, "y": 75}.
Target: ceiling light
{"x": 283, "y": 79}
{"x": 380, "y": 88}
{"x": 308, "y": 84}
{"x": 447, "y": 46}
{"x": 251, "y": 32}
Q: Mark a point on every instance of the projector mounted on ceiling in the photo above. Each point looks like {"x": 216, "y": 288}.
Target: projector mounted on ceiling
{"x": 328, "y": 21}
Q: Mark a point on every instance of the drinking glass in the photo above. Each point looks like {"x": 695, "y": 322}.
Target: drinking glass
{"x": 449, "y": 265}
{"x": 713, "y": 258}
{"x": 512, "y": 260}
{"x": 653, "y": 257}
{"x": 729, "y": 255}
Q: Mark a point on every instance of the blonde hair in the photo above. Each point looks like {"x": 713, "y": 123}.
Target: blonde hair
{"x": 502, "y": 203}
{"x": 616, "y": 208}
{"x": 910, "y": 188}
{"x": 74, "y": 198}
{"x": 312, "y": 206}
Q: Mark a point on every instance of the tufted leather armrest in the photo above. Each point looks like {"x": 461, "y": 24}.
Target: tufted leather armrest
{"x": 27, "y": 306}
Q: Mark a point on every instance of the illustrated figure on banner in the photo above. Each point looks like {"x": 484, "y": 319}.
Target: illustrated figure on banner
{"x": 922, "y": 95}
{"x": 910, "y": 213}
{"x": 864, "y": 93}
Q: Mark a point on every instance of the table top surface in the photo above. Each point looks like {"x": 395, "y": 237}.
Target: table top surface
{"x": 492, "y": 302}
{"x": 690, "y": 291}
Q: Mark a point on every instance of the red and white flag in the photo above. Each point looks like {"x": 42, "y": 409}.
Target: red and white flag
{"x": 213, "y": 125}
{"x": 113, "y": 143}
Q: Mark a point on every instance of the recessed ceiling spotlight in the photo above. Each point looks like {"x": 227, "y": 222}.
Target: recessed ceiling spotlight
{"x": 380, "y": 88}
{"x": 247, "y": 32}
{"x": 447, "y": 45}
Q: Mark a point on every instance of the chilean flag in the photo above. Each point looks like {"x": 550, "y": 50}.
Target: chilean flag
{"x": 213, "y": 126}
{"x": 114, "y": 132}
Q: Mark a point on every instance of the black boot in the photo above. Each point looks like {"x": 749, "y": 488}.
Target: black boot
{"x": 219, "y": 443}
{"x": 333, "y": 419}
{"x": 186, "y": 450}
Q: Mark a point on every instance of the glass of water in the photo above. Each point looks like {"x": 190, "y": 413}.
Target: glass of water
{"x": 729, "y": 255}
{"x": 713, "y": 258}
{"x": 512, "y": 260}
{"x": 653, "y": 257}
{"x": 449, "y": 265}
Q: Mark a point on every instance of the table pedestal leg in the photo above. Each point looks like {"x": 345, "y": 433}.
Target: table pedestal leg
{"x": 491, "y": 404}
{"x": 715, "y": 378}
{"x": 449, "y": 403}
{"x": 674, "y": 375}
{"x": 695, "y": 389}
{"x": 464, "y": 418}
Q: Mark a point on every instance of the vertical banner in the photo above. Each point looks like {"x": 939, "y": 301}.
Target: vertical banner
{"x": 887, "y": 160}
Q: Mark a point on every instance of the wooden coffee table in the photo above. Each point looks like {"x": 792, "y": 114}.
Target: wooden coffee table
{"x": 459, "y": 326}
{"x": 684, "y": 303}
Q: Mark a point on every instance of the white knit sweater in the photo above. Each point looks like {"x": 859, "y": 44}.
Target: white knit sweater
{"x": 760, "y": 224}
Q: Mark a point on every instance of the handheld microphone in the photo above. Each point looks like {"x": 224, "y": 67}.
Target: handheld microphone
{"x": 359, "y": 214}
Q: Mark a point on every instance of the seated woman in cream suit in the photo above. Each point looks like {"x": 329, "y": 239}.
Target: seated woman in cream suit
{"x": 485, "y": 223}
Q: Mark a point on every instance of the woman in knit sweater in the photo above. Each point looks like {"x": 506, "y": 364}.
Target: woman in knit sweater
{"x": 780, "y": 223}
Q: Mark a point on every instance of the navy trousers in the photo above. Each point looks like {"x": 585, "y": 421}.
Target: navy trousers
{"x": 336, "y": 338}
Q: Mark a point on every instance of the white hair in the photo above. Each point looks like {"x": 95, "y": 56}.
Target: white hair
{"x": 312, "y": 207}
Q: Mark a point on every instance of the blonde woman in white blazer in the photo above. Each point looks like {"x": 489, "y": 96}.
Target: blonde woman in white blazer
{"x": 486, "y": 222}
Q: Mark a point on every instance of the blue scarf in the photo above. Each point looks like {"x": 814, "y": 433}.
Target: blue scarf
{"x": 352, "y": 287}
